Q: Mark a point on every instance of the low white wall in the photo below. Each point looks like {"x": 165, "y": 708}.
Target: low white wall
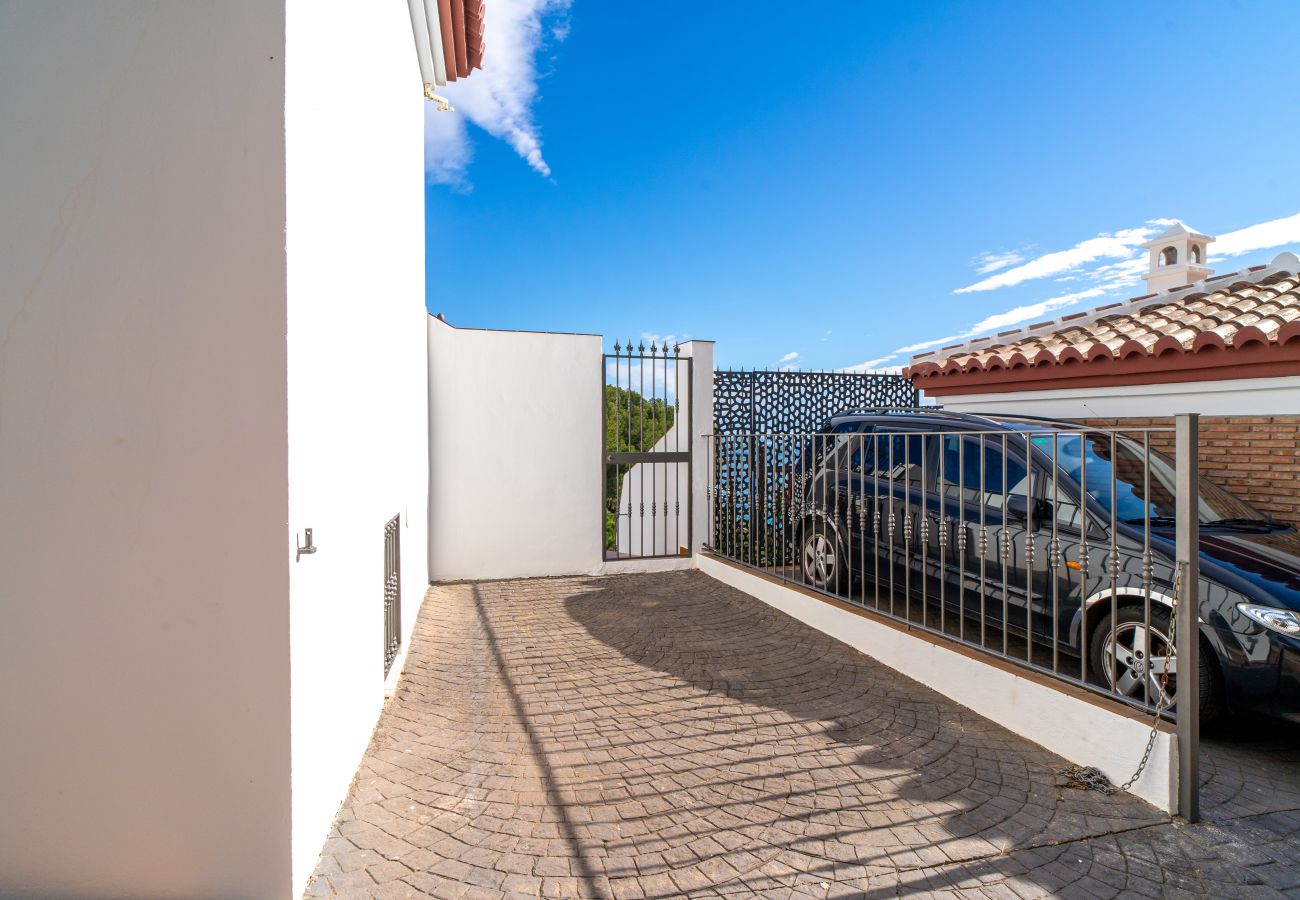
{"x": 1240, "y": 397}
{"x": 514, "y": 453}
{"x": 357, "y": 380}
{"x": 1081, "y": 731}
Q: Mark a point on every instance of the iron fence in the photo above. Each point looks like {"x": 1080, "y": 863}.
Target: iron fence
{"x": 1053, "y": 549}
{"x": 392, "y": 591}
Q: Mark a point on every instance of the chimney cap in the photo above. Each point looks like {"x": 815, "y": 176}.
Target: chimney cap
{"x": 1177, "y": 231}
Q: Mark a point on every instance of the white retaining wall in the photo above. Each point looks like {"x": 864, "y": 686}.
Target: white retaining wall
{"x": 514, "y": 461}
{"x": 1079, "y": 730}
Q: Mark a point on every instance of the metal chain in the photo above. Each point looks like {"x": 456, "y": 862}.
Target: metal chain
{"x": 1091, "y": 777}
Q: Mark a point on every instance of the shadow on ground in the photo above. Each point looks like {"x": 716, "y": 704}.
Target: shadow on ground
{"x": 664, "y": 736}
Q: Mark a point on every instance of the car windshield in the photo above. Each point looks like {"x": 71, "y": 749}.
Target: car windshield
{"x": 1133, "y": 501}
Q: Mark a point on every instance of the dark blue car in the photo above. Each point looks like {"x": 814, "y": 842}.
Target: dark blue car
{"x": 1061, "y": 534}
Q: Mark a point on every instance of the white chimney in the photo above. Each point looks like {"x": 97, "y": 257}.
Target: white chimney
{"x": 1177, "y": 259}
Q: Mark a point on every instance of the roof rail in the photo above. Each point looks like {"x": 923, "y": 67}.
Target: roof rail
{"x": 874, "y": 410}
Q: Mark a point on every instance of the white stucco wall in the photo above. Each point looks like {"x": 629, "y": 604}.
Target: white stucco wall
{"x": 515, "y": 471}
{"x": 358, "y": 406}
{"x": 144, "y": 672}
{"x": 1237, "y": 397}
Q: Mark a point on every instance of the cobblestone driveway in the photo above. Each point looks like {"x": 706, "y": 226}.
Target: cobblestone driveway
{"x": 665, "y": 736}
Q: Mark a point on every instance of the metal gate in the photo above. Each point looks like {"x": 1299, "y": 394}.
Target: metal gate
{"x": 392, "y": 591}
{"x": 645, "y": 452}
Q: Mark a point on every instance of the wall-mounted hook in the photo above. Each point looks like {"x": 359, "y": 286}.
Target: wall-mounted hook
{"x": 307, "y": 548}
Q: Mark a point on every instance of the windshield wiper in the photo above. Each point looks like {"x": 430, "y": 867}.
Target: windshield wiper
{"x": 1245, "y": 522}
{"x": 1156, "y": 521}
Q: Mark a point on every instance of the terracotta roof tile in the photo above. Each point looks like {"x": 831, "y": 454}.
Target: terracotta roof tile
{"x": 1261, "y": 303}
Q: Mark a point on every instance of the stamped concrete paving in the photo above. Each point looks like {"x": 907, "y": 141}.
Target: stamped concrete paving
{"x": 664, "y": 735}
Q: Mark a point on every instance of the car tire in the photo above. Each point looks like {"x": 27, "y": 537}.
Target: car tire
{"x": 821, "y": 558}
{"x": 1124, "y": 627}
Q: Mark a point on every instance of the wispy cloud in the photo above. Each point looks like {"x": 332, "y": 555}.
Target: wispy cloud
{"x": 1031, "y": 311}
{"x": 1106, "y": 265}
{"x": 990, "y": 262}
{"x": 790, "y": 357}
{"x": 926, "y": 345}
{"x": 1002, "y": 320}
{"x": 789, "y": 362}
{"x": 870, "y": 365}
{"x": 663, "y": 340}
{"x": 1120, "y": 245}
{"x": 1263, "y": 236}
{"x": 500, "y": 98}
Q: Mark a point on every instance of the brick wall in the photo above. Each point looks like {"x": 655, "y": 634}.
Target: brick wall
{"x": 1255, "y": 457}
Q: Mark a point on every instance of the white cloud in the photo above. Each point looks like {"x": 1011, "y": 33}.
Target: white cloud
{"x": 926, "y": 345}
{"x": 1003, "y": 320}
{"x": 1120, "y": 245}
{"x": 1104, "y": 265}
{"x": 662, "y": 340}
{"x": 1274, "y": 233}
{"x": 447, "y": 150}
{"x": 870, "y": 365}
{"x": 990, "y": 262}
{"x": 499, "y": 98}
{"x": 789, "y": 357}
{"x": 1031, "y": 311}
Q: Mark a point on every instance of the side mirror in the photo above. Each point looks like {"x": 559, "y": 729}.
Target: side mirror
{"x": 1018, "y": 509}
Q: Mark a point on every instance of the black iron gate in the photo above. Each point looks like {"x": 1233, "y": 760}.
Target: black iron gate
{"x": 392, "y": 591}
{"x": 646, "y": 452}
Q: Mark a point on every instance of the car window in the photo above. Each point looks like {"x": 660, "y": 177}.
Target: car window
{"x": 973, "y": 469}
{"x": 816, "y": 452}
{"x": 895, "y": 455}
{"x": 1064, "y": 506}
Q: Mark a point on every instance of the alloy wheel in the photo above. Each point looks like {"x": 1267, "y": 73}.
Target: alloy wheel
{"x": 1137, "y": 660}
{"x": 819, "y": 559}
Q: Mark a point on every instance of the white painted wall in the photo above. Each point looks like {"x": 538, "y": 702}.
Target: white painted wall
{"x": 1238, "y": 397}
{"x": 1081, "y": 731}
{"x": 144, "y": 667}
{"x": 357, "y": 416}
{"x": 515, "y": 443}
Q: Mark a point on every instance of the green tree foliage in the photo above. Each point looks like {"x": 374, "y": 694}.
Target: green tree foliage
{"x": 633, "y": 424}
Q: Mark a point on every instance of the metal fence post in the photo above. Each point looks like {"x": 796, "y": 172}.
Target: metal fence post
{"x": 1187, "y": 628}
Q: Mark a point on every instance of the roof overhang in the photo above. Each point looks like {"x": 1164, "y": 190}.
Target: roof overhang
{"x": 1253, "y": 359}
{"x": 448, "y": 39}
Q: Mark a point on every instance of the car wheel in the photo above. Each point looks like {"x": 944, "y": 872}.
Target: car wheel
{"x": 820, "y": 559}
{"x": 1134, "y": 664}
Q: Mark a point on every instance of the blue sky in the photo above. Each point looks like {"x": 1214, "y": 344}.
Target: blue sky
{"x": 828, "y": 184}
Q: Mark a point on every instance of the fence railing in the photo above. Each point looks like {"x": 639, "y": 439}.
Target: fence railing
{"x": 1054, "y": 549}
{"x": 392, "y": 591}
